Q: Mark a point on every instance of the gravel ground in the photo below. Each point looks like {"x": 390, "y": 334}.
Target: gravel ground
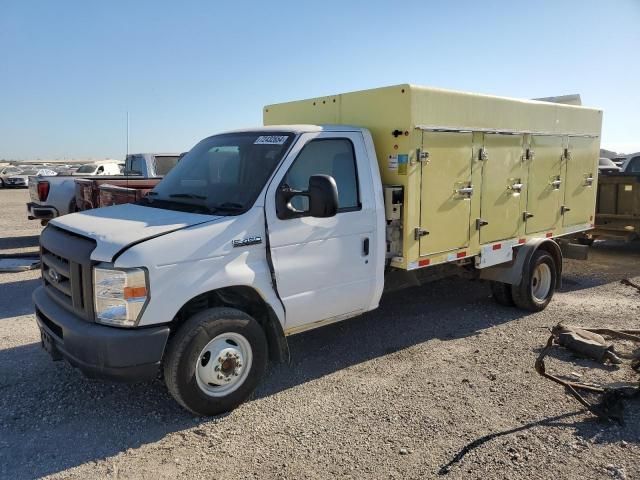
{"x": 396, "y": 393}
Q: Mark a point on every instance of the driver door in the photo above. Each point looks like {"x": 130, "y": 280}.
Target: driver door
{"x": 325, "y": 267}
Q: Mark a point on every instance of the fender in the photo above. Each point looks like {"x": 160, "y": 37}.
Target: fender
{"x": 519, "y": 268}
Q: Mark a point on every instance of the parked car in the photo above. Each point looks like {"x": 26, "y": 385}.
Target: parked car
{"x": 99, "y": 168}
{"x": 631, "y": 164}
{"x": 7, "y": 172}
{"x": 22, "y": 179}
{"x": 605, "y": 166}
{"x": 268, "y": 232}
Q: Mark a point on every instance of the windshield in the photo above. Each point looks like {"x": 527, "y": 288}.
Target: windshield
{"x": 222, "y": 174}
{"x": 86, "y": 169}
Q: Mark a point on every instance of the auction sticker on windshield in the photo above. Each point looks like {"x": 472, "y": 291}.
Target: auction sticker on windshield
{"x": 271, "y": 140}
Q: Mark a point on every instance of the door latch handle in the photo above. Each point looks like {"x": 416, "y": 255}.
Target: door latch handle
{"x": 480, "y": 223}
{"x": 588, "y": 181}
{"x": 527, "y": 215}
{"x": 556, "y": 184}
{"x": 564, "y": 209}
{"x": 418, "y": 233}
{"x": 365, "y": 247}
{"x": 465, "y": 191}
{"x": 516, "y": 187}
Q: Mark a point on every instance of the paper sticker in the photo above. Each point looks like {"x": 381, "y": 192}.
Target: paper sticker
{"x": 393, "y": 162}
{"x": 271, "y": 140}
{"x": 403, "y": 161}
{"x": 628, "y": 188}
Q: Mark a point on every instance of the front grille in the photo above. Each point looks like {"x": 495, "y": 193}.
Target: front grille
{"x": 66, "y": 270}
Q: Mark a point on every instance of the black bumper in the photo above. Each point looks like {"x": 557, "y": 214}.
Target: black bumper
{"x": 126, "y": 355}
{"x": 42, "y": 212}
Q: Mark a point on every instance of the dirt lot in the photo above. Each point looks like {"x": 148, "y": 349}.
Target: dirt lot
{"x": 396, "y": 393}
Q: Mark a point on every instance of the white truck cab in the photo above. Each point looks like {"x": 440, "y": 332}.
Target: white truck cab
{"x": 253, "y": 236}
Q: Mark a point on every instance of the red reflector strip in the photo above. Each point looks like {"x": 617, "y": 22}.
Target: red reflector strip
{"x": 549, "y": 234}
{"x": 522, "y": 240}
{"x": 461, "y": 254}
{"x": 424, "y": 263}
{"x": 497, "y": 246}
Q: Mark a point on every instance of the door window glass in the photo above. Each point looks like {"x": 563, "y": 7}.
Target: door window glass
{"x": 334, "y": 157}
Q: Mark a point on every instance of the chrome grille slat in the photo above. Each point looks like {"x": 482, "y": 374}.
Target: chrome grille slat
{"x": 53, "y": 261}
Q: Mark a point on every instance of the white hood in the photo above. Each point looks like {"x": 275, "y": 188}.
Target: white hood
{"x": 117, "y": 227}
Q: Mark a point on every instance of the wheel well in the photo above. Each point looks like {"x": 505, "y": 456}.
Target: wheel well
{"x": 247, "y": 300}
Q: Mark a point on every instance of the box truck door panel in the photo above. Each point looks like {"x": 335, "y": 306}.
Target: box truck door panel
{"x": 581, "y": 181}
{"x": 324, "y": 268}
{"x": 502, "y": 187}
{"x": 446, "y": 191}
{"x": 544, "y": 192}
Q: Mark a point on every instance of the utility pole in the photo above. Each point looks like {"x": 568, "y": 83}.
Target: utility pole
{"x": 127, "y": 134}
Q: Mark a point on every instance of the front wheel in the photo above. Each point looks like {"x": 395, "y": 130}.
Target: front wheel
{"x": 215, "y": 361}
{"x": 536, "y": 290}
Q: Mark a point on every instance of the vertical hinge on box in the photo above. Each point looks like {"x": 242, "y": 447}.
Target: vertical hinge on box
{"x": 566, "y": 154}
{"x": 423, "y": 155}
{"x": 419, "y": 233}
{"x": 529, "y": 154}
{"x": 482, "y": 154}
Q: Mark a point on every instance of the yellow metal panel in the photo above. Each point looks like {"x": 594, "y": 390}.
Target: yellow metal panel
{"x": 445, "y": 208}
{"x": 579, "y": 191}
{"x": 544, "y": 197}
{"x": 502, "y": 172}
{"x": 407, "y": 108}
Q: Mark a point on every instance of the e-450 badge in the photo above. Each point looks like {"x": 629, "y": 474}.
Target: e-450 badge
{"x": 245, "y": 242}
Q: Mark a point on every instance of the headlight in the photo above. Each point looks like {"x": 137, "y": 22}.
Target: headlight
{"x": 119, "y": 295}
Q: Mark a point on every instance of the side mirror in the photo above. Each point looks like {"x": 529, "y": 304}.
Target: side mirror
{"x": 322, "y": 194}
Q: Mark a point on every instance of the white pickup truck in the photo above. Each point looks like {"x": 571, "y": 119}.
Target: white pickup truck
{"x": 263, "y": 233}
{"x": 53, "y": 197}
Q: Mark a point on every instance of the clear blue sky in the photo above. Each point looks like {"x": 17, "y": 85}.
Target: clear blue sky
{"x": 69, "y": 70}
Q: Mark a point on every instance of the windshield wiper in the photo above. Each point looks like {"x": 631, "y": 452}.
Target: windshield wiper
{"x": 187, "y": 195}
{"x": 228, "y": 206}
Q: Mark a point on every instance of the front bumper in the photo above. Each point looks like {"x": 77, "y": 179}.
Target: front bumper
{"x": 98, "y": 351}
{"x": 41, "y": 212}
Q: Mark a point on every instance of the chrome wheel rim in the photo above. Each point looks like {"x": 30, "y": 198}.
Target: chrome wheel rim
{"x": 541, "y": 282}
{"x": 224, "y": 364}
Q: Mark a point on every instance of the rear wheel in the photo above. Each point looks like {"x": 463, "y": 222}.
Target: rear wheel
{"x": 502, "y": 293}
{"x": 536, "y": 291}
{"x": 215, "y": 361}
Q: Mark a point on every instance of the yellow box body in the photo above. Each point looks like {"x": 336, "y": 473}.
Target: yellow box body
{"x": 478, "y": 171}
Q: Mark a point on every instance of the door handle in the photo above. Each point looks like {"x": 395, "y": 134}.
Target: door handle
{"x": 588, "y": 181}
{"x": 556, "y": 184}
{"x": 516, "y": 187}
{"x": 365, "y": 247}
{"x": 465, "y": 191}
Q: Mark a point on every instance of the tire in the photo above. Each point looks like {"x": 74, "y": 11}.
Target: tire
{"x": 502, "y": 293}
{"x": 190, "y": 369}
{"x": 536, "y": 291}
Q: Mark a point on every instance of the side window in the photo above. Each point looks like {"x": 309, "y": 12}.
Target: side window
{"x": 634, "y": 165}
{"x": 334, "y": 157}
{"x": 137, "y": 165}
